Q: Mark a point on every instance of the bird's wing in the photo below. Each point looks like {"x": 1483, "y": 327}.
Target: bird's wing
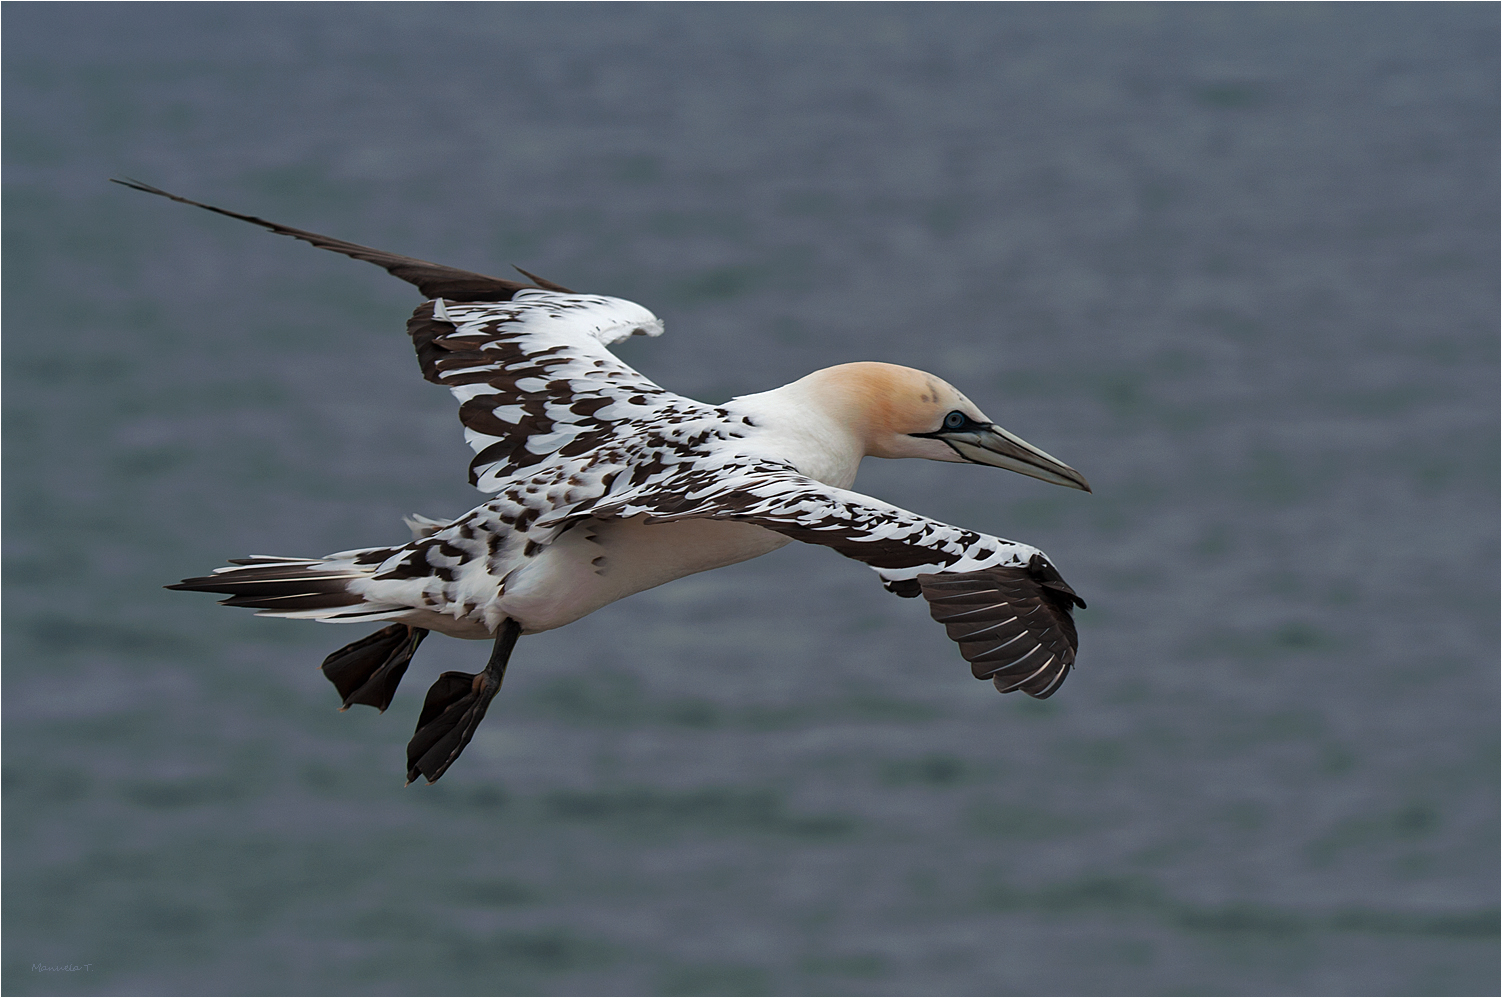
{"x": 537, "y": 385}
{"x": 434, "y": 280}
{"x": 530, "y": 366}
{"x": 1003, "y": 602}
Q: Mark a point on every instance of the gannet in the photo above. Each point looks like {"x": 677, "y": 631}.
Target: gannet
{"x": 604, "y": 484}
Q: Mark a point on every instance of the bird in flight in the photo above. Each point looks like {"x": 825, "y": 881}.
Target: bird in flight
{"x": 603, "y": 484}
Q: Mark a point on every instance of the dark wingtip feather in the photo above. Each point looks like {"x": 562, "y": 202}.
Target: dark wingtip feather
{"x": 906, "y": 588}
{"x": 1013, "y": 625}
{"x": 1042, "y": 570}
{"x": 434, "y": 280}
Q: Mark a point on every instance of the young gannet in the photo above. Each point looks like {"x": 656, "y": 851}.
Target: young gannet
{"x": 605, "y": 484}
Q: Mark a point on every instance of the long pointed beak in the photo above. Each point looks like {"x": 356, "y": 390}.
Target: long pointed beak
{"x": 1000, "y": 449}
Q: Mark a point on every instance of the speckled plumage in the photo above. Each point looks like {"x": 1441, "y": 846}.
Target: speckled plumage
{"x": 603, "y": 484}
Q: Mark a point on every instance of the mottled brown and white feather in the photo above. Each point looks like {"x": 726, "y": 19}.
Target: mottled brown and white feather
{"x": 602, "y": 483}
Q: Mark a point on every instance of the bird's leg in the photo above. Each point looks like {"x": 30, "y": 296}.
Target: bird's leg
{"x": 453, "y": 709}
{"x": 367, "y": 671}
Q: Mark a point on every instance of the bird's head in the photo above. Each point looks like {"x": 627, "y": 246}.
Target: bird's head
{"x": 901, "y": 412}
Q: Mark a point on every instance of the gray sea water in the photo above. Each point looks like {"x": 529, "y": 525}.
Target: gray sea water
{"x": 1236, "y": 264}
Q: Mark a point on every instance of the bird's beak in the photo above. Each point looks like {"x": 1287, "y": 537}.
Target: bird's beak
{"x": 1000, "y": 449}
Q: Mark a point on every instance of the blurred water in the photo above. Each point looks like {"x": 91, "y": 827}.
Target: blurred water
{"x": 1236, "y": 264}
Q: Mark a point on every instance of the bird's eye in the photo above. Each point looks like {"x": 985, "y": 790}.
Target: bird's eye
{"x": 955, "y": 420}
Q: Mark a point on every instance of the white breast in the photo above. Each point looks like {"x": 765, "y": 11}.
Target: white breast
{"x": 601, "y": 561}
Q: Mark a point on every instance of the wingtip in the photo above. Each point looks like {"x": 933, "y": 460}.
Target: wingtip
{"x": 144, "y": 187}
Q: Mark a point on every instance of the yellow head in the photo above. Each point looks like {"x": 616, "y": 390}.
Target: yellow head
{"x": 901, "y": 412}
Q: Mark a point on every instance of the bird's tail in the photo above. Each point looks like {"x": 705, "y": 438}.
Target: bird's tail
{"x": 307, "y": 588}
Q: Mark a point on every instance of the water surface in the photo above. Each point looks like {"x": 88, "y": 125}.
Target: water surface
{"x": 1238, "y": 265}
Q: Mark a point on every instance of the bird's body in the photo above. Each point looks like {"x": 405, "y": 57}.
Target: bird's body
{"x": 604, "y": 484}
{"x": 592, "y": 565}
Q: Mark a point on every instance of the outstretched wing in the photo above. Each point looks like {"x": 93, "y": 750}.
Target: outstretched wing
{"x": 536, "y": 382}
{"x": 529, "y": 365}
{"x": 1003, "y": 602}
{"x": 434, "y": 280}
{"x": 1015, "y": 626}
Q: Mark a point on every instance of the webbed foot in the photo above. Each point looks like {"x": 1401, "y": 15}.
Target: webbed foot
{"x": 453, "y": 709}
{"x": 368, "y": 671}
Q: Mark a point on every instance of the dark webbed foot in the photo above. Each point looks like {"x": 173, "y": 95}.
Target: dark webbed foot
{"x": 453, "y": 709}
{"x": 368, "y": 671}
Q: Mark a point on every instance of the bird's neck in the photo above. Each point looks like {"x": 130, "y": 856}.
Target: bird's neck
{"x": 813, "y": 429}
